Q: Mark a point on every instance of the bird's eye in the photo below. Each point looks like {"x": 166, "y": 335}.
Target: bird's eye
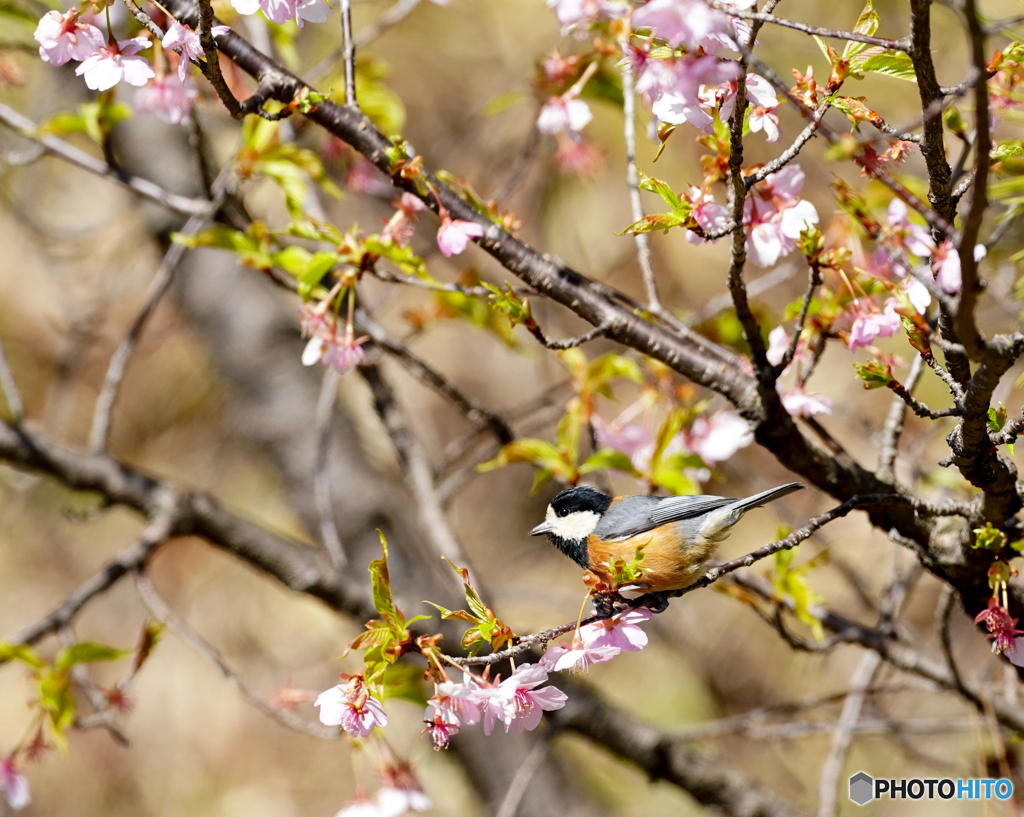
{"x": 563, "y": 512}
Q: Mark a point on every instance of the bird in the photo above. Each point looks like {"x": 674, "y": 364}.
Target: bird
{"x": 678, "y": 533}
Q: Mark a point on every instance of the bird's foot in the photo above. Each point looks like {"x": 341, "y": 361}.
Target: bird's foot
{"x": 656, "y": 602}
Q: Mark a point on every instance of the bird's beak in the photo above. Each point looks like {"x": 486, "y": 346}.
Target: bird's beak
{"x": 543, "y": 527}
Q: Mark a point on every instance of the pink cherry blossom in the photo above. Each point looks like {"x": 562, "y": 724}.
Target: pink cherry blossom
{"x": 911, "y": 237}
{"x": 710, "y": 217}
{"x": 577, "y": 656}
{"x": 115, "y": 62}
{"x": 774, "y": 216}
{"x": 1002, "y": 629}
{"x": 343, "y": 354}
{"x": 778, "y": 345}
{"x": 870, "y": 325}
{"x": 716, "y": 437}
{"x": 281, "y": 11}
{"x": 392, "y": 802}
{"x": 454, "y": 234}
{"x": 948, "y": 273}
{"x": 62, "y": 38}
{"x": 627, "y": 437}
{"x": 800, "y": 403}
{"x": 573, "y": 13}
{"x": 524, "y": 703}
{"x": 622, "y": 632}
{"x": 351, "y": 707}
{"x": 442, "y": 721}
{"x": 917, "y": 293}
{"x": 564, "y": 116}
{"x": 683, "y": 102}
{"x": 765, "y": 119}
{"x": 681, "y": 22}
{"x": 181, "y": 36}
{"x": 167, "y": 98}
{"x": 362, "y": 808}
{"x": 14, "y": 785}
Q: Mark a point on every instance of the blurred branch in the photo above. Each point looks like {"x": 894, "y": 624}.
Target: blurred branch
{"x": 474, "y": 411}
{"x": 9, "y": 388}
{"x": 61, "y": 149}
{"x": 642, "y": 240}
{"x": 415, "y": 468}
{"x": 664, "y": 757}
{"x": 160, "y": 610}
{"x": 158, "y": 531}
{"x": 348, "y": 54}
{"x": 321, "y": 475}
{"x": 100, "y": 431}
{"x": 295, "y": 565}
{"x": 843, "y": 734}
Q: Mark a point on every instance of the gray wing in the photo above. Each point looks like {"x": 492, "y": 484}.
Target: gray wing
{"x": 675, "y": 508}
{"x": 636, "y": 514}
{"x": 627, "y": 517}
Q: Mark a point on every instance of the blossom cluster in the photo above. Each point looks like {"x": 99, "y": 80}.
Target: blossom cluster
{"x": 519, "y": 701}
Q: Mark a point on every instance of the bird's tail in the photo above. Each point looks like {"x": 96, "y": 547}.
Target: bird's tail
{"x": 763, "y": 498}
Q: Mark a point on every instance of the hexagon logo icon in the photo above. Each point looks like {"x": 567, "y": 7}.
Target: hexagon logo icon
{"x": 862, "y": 788}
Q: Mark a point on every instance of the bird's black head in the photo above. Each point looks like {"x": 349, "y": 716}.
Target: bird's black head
{"x": 581, "y": 498}
{"x": 572, "y": 516}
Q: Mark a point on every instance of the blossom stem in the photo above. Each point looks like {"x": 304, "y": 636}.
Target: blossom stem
{"x": 583, "y": 608}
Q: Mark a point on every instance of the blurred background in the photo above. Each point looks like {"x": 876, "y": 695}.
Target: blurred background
{"x": 215, "y": 397}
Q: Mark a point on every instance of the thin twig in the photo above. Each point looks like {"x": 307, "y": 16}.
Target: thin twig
{"x": 832, "y": 33}
{"x": 813, "y": 281}
{"x": 569, "y": 343}
{"x": 349, "y": 54}
{"x": 61, "y": 149}
{"x": 473, "y": 410}
{"x": 158, "y": 531}
{"x": 321, "y": 473}
{"x": 160, "y": 610}
{"x": 888, "y": 449}
{"x": 642, "y": 240}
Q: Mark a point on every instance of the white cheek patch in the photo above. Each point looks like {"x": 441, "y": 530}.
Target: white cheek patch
{"x": 575, "y": 526}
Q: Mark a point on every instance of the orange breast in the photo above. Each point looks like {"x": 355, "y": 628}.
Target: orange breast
{"x": 670, "y": 561}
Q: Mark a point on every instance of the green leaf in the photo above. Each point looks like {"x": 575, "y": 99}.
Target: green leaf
{"x": 874, "y": 374}
{"x": 791, "y": 583}
{"x": 867, "y": 24}
{"x": 1007, "y": 150}
{"x": 607, "y": 368}
{"x": 608, "y": 458}
{"x": 516, "y": 309}
{"x": 988, "y": 538}
{"x": 670, "y": 197}
{"x": 382, "y": 599}
{"x": 85, "y": 652}
{"x": 891, "y": 64}
{"x": 528, "y": 449}
{"x": 405, "y": 681}
{"x": 20, "y": 652}
{"x": 653, "y": 223}
{"x": 628, "y": 572}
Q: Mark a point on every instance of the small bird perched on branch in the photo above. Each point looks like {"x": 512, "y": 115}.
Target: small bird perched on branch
{"x": 674, "y": 534}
